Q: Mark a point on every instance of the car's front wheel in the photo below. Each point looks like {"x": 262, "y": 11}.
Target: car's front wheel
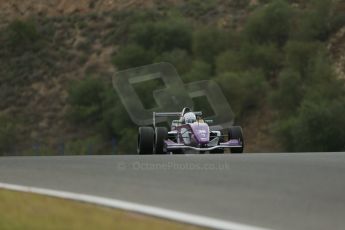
{"x": 145, "y": 141}
{"x": 235, "y": 132}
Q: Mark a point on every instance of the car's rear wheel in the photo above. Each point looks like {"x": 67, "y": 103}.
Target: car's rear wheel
{"x": 236, "y": 132}
{"x": 145, "y": 140}
{"x": 161, "y": 134}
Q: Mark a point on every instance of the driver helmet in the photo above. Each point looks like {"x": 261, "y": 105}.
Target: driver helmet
{"x": 189, "y": 118}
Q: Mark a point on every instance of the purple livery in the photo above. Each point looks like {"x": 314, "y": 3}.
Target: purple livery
{"x": 190, "y": 131}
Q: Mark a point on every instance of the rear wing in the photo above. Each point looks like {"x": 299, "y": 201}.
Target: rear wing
{"x": 171, "y": 114}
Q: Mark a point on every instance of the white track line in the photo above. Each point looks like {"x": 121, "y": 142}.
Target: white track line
{"x": 139, "y": 208}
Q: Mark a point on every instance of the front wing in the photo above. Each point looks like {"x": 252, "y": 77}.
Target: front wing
{"x": 233, "y": 143}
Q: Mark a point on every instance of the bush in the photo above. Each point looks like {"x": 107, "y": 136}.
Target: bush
{"x": 265, "y": 57}
{"x": 320, "y": 70}
{"x": 88, "y": 146}
{"x": 132, "y": 56}
{"x": 115, "y": 118}
{"x": 8, "y": 133}
{"x": 123, "y": 20}
{"x": 229, "y": 61}
{"x": 95, "y": 104}
{"x": 200, "y": 71}
{"x": 299, "y": 54}
{"x": 309, "y": 72}
{"x": 251, "y": 56}
{"x": 23, "y": 36}
{"x": 337, "y": 21}
{"x": 127, "y": 142}
{"x": 244, "y": 91}
{"x": 196, "y": 8}
{"x": 319, "y": 126}
{"x": 270, "y": 24}
{"x": 86, "y": 98}
{"x": 287, "y": 98}
{"x": 162, "y": 36}
{"x": 241, "y": 4}
{"x": 208, "y": 42}
{"x": 314, "y": 23}
{"x": 177, "y": 57}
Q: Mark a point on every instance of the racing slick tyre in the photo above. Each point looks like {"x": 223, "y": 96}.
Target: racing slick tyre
{"x": 145, "y": 140}
{"x": 161, "y": 134}
{"x": 235, "y": 132}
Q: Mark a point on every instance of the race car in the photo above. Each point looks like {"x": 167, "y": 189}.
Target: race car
{"x": 189, "y": 131}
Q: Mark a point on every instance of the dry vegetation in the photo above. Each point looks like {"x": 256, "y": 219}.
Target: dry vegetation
{"x": 69, "y": 41}
{"x": 28, "y": 211}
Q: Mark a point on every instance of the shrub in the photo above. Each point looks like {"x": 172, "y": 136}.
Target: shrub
{"x": 162, "y": 36}
{"x": 120, "y": 26}
{"x": 8, "y": 133}
{"x": 244, "y": 91}
{"x": 310, "y": 73}
{"x": 251, "y": 56}
{"x": 208, "y": 42}
{"x": 125, "y": 145}
{"x": 271, "y": 23}
{"x": 132, "y": 56}
{"x": 299, "y": 54}
{"x": 85, "y": 98}
{"x": 241, "y": 4}
{"x": 23, "y": 36}
{"x": 115, "y": 118}
{"x": 88, "y": 146}
{"x": 200, "y": 70}
{"x": 266, "y": 57}
{"x": 319, "y": 126}
{"x": 95, "y": 104}
{"x": 145, "y": 90}
{"x": 320, "y": 71}
{"x": 337, "y": 21}
{"x": 196, "y": 8}
{"x": 289, "y": 94}
{"x": 230, "y": 61}
{"x": 319, "y": 20}
{"x": 177, "y": 57}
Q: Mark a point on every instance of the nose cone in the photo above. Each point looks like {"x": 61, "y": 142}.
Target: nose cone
{"x": 201, "y": 132}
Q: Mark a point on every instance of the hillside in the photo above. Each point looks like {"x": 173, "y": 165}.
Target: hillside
{"x": 74, "y": 40}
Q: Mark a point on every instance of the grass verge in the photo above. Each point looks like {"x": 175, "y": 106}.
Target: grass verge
{"x": 20, "y": 210}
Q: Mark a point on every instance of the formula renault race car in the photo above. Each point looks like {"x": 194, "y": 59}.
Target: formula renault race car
{"x": 190, "y": 131}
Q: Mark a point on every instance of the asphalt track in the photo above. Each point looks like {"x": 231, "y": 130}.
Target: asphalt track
{"x": 276, "y": 191}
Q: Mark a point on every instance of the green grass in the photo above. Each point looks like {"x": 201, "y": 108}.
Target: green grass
{"x": 30, "y": 211}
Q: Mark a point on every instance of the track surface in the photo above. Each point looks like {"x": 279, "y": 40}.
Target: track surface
{"x": 278, "y": 191}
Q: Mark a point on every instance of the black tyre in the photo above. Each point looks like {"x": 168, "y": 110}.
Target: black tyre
{"x": 145, "y": 140}
{"x": 161, "y": 134}
{"x": 235, "y": 132}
